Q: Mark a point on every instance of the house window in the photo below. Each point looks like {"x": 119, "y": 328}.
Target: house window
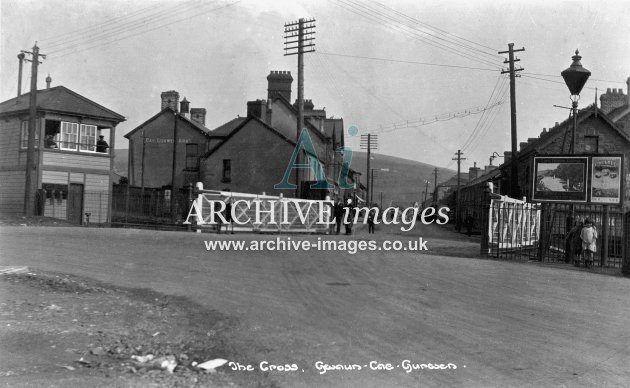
{"x": 227, "y": 170}
{"x": 591, "y": 144}
{"x": 192, "y": 151}
{"x": 24, "y": 136}
{"x": 69, "y": 136}
{"x": 88, "y": 138}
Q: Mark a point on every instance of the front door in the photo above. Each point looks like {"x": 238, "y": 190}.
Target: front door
{"x": 75, "y": 203}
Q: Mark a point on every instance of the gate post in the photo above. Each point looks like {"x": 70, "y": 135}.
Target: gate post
{"x": 542, "y": 238}
{"x": 625, "y": 267}
{"x": 485, "y": 225}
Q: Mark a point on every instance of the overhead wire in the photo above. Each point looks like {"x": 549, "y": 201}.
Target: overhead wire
{"x": 81, "y": 32}
{"x": 407, "y": 61}
{"x": 488, "y": 120}
{"x": 393, "y": 24}
{"x": 405, "y": 20}
{"x": 426, "y": 25}
{"x": 115, "y": 30}
{"x": 197, "y": 14}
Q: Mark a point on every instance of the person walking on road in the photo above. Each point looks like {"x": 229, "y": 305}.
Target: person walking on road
{"x": 338, "y": 213}
{"x": 589, "y": 240}
{"x": 370, "y": 222}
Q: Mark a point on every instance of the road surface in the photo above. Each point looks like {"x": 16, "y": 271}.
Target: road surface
{"x": 501, "y": 323}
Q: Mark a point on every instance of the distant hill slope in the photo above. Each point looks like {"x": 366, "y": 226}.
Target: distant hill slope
{"x": 121, "y": 156}
{"x": 404, "y": 182}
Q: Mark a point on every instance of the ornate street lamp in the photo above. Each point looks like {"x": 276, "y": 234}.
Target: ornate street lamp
{"x": 575, "y": 77}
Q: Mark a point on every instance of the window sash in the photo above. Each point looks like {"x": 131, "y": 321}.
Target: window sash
{"x": 24, "y": 136}
{"x": 69, "y": 136}
{"x": 88, "y": 138}
{"x": 227, "y": 170}
{"x": 192, "y": 152}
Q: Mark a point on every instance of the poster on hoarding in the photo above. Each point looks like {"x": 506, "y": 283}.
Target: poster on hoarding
{"x": 606, "y": 179}
{"x": 562, "y": 179}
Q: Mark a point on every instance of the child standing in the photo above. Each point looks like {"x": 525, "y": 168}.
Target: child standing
{"x": 589, "y": 239}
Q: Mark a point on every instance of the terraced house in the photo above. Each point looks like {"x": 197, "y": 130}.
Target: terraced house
{"x": 74, "y": 143}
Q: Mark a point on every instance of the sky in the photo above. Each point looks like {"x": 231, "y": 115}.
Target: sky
{"x": 423, "y": 76}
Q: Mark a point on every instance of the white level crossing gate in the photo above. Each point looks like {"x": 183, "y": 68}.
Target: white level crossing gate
{"x": 514, "y": 227}
{"x": 259, "y": 213}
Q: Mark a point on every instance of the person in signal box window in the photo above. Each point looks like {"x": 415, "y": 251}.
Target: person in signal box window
{"x": 101, "y": 144}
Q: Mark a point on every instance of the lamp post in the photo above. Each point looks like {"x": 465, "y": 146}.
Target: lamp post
{"x": 575, "y": 76}
{"x": 494, "y": 156}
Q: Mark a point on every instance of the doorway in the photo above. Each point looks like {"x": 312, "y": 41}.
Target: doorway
{"x": 75, "y": 203}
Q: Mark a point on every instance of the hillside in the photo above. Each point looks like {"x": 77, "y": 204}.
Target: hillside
{"x": 121, "y": 156}
{"x": 404, "y": 182}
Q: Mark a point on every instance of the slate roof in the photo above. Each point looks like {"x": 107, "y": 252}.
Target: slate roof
{"x": 181, "y": 117}
{"x": 533, "y": 144}
{"x": 618, "y": 113}
{"x": 240, "y": 126}
{"x": 60, "y": 99}
{"x": 227, "y": 128}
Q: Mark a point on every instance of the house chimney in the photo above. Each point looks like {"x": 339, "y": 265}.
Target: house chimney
{"x": 20, "y": 65}
{"x": 185, "y": 108}
{"x": 198, "y": 115}
{"x": 279, "y": 84}
{"x": 473, "y": 172}
{"x": 257, "y": 109}
{"x": 612, "y": 99}
{"x": 48, "y": 81}
{"x": 170, "y": 99}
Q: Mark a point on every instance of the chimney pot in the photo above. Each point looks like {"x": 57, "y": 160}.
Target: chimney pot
{"x": 170, "y": 99}
{"x": 279, "y": 83}
{"x": 198, "y": 115}
{"x": 48, "y": 81}
{"x": 185, "y": 107}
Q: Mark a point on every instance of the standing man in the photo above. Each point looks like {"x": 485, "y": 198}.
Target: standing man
{"x": 349, "y": 213}
{"x": 101, "y": 144}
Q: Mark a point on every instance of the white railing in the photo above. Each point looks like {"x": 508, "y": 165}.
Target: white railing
{"x": 259, "y": 212}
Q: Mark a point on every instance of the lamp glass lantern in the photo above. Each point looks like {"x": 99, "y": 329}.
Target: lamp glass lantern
{"x": 575, "y": 77}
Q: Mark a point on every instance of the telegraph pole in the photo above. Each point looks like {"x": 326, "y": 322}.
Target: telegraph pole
{"x": 174, "y": 169}
{"x": 303, "y": 30}
{"x": 459, "y": 159}
{"x": 426, "y": 190}
{"x": 514, "y": 189}
{"x": 29, "y": 194}
{"x": 368, "y": 142}
{"x": 435, "y": 195}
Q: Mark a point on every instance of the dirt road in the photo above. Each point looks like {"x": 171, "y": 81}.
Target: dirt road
{"x": 499, "y": 323}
